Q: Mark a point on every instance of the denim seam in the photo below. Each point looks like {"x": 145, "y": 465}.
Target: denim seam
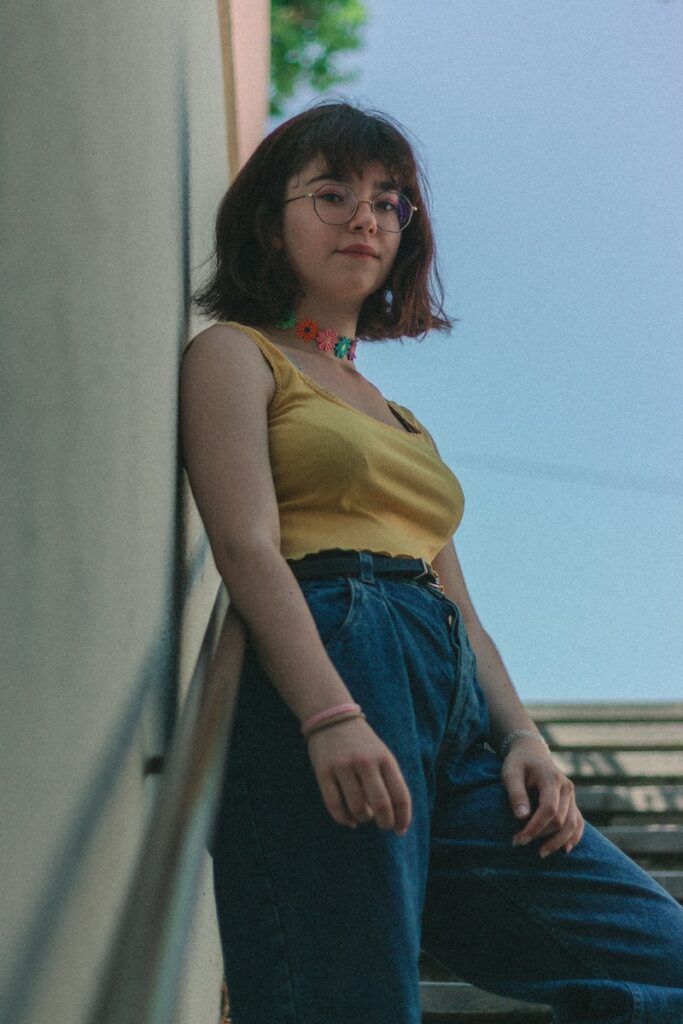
{"x": 485, "y": 875}
{"x": 273, "y": 900}
{"x": 351, "y": 585}
{"x": 638, "y": 1005}
{"x": 350, "y": 616}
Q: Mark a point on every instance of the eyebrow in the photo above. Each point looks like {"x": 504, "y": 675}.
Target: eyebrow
{"x": 382, "y": 186}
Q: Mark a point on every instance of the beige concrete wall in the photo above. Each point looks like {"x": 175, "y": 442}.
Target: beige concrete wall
{"x": 113, "y": 161}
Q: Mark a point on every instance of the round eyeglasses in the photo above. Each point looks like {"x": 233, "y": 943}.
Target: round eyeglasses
{"x": 337, "y": 204}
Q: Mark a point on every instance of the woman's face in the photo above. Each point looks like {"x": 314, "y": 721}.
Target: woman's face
{"x": 338, "y": 263}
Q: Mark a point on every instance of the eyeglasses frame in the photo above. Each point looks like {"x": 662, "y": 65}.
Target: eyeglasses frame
{"x": 371, "y": 203}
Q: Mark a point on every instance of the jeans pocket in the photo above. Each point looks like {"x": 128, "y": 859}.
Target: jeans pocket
{"x": 332, "y": 603}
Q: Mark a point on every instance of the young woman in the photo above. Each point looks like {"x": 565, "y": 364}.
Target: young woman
{"x": 385, "y": 791}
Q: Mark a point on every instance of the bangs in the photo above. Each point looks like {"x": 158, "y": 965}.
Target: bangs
{"x": 347, "y": 140}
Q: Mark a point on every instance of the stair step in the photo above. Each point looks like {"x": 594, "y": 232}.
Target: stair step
{"x": 639, "y": 839}
{"x": 672, "y": 881}
{"x": 603, "y": 735}
{"x": 634, "y": 799}
{"x": 602, "y": 711}
{"x": 459, "y": 1001}
{"x": 619, "y": 765}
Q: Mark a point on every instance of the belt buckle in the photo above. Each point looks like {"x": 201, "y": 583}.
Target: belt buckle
{"x": 426, "y": 571}
{"x": 432, "y": 576}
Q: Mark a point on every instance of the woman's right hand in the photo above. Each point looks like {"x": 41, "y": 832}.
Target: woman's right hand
{"x": 359, "y": 777}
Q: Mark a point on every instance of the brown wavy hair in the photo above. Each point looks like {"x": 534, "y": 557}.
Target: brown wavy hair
{"x": 252, "y": 281}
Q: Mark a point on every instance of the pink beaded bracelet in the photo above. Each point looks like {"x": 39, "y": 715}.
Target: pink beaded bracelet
{"x": 322, "y": 716}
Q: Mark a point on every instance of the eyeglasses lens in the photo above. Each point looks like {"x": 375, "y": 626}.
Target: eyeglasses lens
{"x": 336, "y": 204}
{"x": 392, "y": 211}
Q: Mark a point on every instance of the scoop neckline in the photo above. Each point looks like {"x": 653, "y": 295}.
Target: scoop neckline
{"x": 340, "y": 401}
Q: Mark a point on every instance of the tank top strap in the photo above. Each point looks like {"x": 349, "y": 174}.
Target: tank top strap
{"x": 282, "y": 367}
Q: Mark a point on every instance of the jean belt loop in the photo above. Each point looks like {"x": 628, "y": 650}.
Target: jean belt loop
{"x": 367, "y": 573}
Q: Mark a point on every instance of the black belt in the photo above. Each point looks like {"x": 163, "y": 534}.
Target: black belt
{"x": 357, "y": 563}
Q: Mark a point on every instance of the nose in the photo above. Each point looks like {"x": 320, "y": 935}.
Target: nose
{"x": 364, "y": 218}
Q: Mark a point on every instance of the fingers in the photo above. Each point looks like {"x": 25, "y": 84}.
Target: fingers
{"x": 399, "y": 795}
{"x": 578, "y": 833}
{"x": 513, "y": 777}
{"x": 377, "y": 791}
{"x": 361, "y": 783}
{"x": 556, "y": 816}
{"x": 567, "y": 837}
{"x": 517, "y": 794}
{"x": 549, "y": 816}
{"x": 366, "y": 798}
{"x": 334, "y": 801}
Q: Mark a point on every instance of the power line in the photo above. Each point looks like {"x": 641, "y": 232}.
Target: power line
{"x": 514, "y": 466}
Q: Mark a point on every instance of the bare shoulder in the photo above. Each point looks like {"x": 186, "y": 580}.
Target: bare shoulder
{"x": 226, "y": 354}
{"x": 225, "y": 389}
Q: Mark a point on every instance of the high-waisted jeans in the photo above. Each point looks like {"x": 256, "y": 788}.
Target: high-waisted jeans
{"x": 323, "y": 924}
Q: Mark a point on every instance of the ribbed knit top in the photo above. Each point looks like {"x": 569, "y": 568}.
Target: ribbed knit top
{"x": 344, "y": 479}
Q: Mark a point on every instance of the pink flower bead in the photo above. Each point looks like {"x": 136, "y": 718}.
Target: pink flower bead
{"x": 327, "y": 339}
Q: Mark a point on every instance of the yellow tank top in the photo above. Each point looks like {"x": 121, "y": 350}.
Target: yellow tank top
{"x": 344, "y": 479}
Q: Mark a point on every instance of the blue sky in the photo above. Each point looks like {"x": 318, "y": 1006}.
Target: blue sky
{"x": 551, "y": 132}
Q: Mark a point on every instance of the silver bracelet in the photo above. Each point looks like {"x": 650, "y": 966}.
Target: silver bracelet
{"x": 515, "y": 735}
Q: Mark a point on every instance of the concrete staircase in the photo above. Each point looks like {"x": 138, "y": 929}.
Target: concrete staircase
{"x": 626, "y": 761}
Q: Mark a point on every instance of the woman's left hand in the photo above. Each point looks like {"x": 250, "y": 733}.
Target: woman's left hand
{"x": 529, "y": 773}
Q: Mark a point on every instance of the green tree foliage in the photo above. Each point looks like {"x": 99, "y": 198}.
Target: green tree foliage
{"x": 306, "y": 36}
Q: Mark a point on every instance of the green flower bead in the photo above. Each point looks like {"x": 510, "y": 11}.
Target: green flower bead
{"x": 342, "y": 347}
{"x": 286, "y": 322}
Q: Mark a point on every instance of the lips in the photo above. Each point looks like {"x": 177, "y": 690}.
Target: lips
{"x": 360, "y": 250}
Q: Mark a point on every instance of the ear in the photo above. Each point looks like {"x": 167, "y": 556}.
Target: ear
{"x": 274, "y": 237}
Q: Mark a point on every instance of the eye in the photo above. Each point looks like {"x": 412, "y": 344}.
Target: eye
{"x": 332, "y": 194}
{"x": 387, "y": 203}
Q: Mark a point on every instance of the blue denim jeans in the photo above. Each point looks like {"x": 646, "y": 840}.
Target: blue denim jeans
{"x": 323, "y": 924}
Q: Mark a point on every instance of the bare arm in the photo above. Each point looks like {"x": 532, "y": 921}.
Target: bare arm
{"x": 224, "y": 393}
{"x": 225, "y": 390}
{"x": 506, "y": 709}
{"x": 528, "y": 771}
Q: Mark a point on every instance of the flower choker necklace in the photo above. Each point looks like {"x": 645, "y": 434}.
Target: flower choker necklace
{"x": 326, "y": 339}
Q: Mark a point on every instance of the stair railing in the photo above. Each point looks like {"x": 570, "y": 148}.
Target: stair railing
{"x": 141, "y": 979}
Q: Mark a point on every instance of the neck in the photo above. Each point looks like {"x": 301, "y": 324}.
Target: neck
{"x": 343, "y": 321}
